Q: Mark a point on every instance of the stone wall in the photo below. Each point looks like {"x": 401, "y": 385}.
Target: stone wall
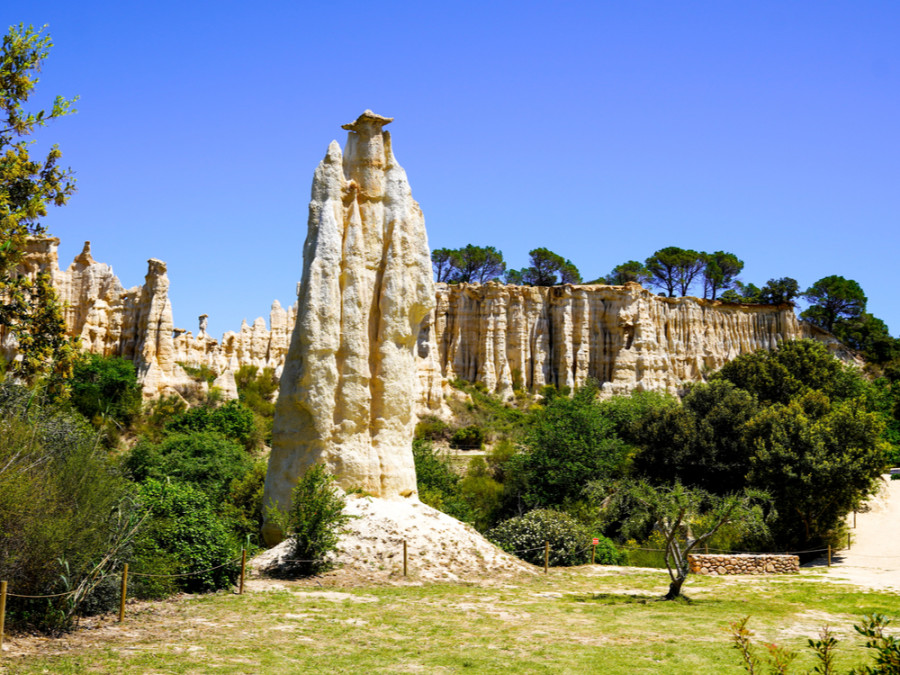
{"x": 764, "y": 563}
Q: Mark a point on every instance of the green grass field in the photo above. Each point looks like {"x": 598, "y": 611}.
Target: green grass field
{"x": 578, "y": 620}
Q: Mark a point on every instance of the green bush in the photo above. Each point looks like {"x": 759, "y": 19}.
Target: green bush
{"x": 257, "y": 389}
{"x": 570, "y": 541}
{"x": 185, "y": 536}
{"x": 482, "y": 493}
{"x": 432, "y": 429}
{"x": 63, "y": 506}
{"x": 438, "y": 484}
{"x": 208, "y": 460}
{"x": 314, "y": 521}
{"x": 233, "y": 420}
{"x": 570, "y": 444}
{"x": 468, "y": 438}
{"x": 105, "y": 387}
{"x": 202, "y": 373}
{"x": 244, "y": 503}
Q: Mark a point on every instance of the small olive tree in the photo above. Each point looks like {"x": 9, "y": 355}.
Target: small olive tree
{"x": 685, "y": 517}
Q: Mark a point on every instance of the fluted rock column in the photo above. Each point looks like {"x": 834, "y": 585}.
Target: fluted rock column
{"x": 347, "y": 391}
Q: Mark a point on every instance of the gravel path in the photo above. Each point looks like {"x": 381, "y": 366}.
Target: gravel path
{"x": 873, "y": 560}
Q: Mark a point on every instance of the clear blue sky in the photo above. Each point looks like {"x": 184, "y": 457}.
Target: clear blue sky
{"x": 601, "y": 130}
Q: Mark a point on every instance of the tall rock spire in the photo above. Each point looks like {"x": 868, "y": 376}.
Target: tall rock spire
{"x": 348, "y": 386}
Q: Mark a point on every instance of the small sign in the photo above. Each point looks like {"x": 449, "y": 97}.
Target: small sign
{"x": 596, "y": 541}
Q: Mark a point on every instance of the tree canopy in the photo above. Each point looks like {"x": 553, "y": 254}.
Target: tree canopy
{"x": 674, "y": 268}
{"x": 27, "y": 186}
{"x": 470, "y": 264}
{"x": 833, "y": 298}
{"x": 547, "y": 269}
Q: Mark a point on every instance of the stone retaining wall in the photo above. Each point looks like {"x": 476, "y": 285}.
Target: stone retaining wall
{"x": 744, "y": 564}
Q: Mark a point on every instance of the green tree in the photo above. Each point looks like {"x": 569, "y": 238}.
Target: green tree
{"x": 233, "y": 420}
{"x": 868, "y": 334}
{"x": 443, "y": 262}
{"x": 674, "y": 268}
{"x": 793, "y": 368}
{"x": 570, "y": 444}
{"x": 833, "y": 298}
{"x": 818, "y": 460}
{"x": 630, "y": 271}
{"x": 547, "y": 269}
{"x": 700, "y": 443}
{"x": 720, "y": 270}
{"x": 105, "y": 387}
{"x": 779, "y": 291}
{"x": 315, "y": 519}
{"x": 28, "y": 307}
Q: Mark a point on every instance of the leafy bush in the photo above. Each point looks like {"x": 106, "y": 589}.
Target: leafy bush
{"x": 202, "y": 373}
{"x": 468, "y": 438}
{"x": 570, "y": 541}
{"x": 571, "y": 443}
{"x": 432, "y": 429}
{"x": 233, "y": 420}
{"x": 105, "y": 387}
{"x": 438, "y": 484}
{"x": 313, "y": 523}
{"x": 63, "y": 507}
{"x": 244, "y": 503}
{"x": 185, "y": 535}
{"x": 208, "y": 460}
{"x": 483, "y": 494}
{"x": 257, "y": 389}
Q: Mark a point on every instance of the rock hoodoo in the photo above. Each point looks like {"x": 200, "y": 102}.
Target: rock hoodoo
{"x": 347, "y": 396}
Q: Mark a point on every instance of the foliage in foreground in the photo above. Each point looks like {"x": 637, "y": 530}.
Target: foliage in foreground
{"x": 570, "y": 541}
{"x": 64, "y": 508}
{"x": 886, "y": 649}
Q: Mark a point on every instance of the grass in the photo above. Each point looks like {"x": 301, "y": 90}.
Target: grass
{"x": 573, "y": 621}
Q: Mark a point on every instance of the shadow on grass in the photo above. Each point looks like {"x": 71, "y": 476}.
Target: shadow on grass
{"x": 629, "y": 599}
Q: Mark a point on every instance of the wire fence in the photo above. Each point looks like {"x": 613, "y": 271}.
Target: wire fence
{"x": 123, "y": 574}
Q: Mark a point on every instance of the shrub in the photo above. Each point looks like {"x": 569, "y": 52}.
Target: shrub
{"x": 314, "y": 521}
{"x": 203, "y": 373}
{"x": 571, "y": 443}
{"x": 570, "y": 542}
{"x": 233, "y": 420}
{"x": 257, "y": 389}
{"x": 438, "y": 484}
{"x": 483, "y": 494}
{"x": 105, "y": 386}
{"x": 244, "y": 503}
{"x": 185, "y": 535}
{"x": 432, "y": 429}
{"x": 468, "y": 438}
{"x": 208, "y": 460}
{"x": 61, "y": 499}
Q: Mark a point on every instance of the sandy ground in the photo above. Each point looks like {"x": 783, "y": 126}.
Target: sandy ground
{"x": 873, "y": 559}
{"x": 439, "y": 548}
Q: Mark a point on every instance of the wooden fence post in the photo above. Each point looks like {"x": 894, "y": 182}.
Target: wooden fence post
{"x": 243, "y": 568}
{"x": 546, "y": 557}
{"x": 123, "y": 593}
{"x": 848, "y": 541}
{"x": 593, "y": 553}
{"x": 854, "y": 519}
{"x": 404, "y": 557}
{"x": 829, "y": 555}
{"x": 706, "y": 548}
{"x": 2, "y": 613}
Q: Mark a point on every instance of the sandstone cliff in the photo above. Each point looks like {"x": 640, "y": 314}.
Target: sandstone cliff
{"x": 627, "y": 338}
{"x": 503, "y": 336}
{"x": 348, "y": 386}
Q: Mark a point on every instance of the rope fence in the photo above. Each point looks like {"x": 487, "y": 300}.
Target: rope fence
{"x": 124, "y": 573}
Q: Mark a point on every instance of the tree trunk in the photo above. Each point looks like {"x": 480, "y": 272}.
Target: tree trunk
{"x": 675, "y": 587}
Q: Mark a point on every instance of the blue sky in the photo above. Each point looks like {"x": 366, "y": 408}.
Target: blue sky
{"x": 603, "y": 131}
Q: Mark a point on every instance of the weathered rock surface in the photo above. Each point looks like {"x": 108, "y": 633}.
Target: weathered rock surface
{"x": 627, "y": 338}
{"x": 348, "y": 386}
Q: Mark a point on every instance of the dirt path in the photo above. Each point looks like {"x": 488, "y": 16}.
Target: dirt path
{"x": 874, "y": 556}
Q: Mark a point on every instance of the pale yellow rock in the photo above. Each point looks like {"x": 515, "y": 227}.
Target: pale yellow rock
{"x": 347, "y": 396}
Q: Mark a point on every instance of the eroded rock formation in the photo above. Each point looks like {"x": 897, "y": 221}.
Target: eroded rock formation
{"x": 348, "y": 386}
{"x": 627, "y": 338}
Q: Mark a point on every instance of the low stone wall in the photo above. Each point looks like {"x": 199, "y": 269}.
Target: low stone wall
{"x": 744, "y": 564}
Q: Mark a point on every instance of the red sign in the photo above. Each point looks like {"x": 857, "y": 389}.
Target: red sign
{"x": 596, "y": 541}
